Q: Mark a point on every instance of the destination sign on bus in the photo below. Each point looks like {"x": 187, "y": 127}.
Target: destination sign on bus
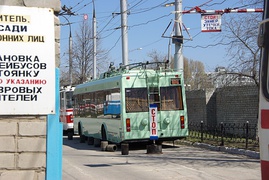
{"x": 175, "y": 81}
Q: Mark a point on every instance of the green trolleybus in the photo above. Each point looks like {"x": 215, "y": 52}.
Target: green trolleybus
{"x": 132, "y": 103}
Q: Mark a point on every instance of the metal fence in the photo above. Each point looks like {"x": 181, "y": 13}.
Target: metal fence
{"x": 241, "y": 135}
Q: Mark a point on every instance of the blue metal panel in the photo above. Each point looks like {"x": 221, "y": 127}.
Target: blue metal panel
{"x": 54, "y": 138}
{"x": 112, "y": 108}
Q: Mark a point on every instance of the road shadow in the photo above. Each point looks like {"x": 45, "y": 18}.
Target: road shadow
{"x": 76, "y": 144}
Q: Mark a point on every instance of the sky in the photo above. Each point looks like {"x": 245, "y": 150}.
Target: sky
{"x": 147, "y": 22}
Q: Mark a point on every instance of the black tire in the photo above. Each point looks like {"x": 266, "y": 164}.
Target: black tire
{"x": 70, "y": 135}
{"x": 82, "y": 139}
{"x": 104, "y": 138}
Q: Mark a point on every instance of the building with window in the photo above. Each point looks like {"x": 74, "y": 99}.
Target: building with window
{"x": 221, "y": 77}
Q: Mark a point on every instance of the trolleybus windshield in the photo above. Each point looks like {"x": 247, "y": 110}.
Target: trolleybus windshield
{"x": 69, "y": 100}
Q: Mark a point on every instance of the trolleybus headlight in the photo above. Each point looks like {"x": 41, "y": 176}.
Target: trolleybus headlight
{"x": 144, "y": 122}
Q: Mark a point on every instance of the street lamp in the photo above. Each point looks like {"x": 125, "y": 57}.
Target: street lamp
{"x": 169, "y": 4}
{"x": 70, "y": 53}
{"x": 137, "y": 49}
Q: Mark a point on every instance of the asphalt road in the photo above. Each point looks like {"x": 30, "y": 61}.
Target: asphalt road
{"x": 85, "y": 162}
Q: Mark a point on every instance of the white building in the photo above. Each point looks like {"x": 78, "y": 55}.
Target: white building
{"x": 221, "y": 78}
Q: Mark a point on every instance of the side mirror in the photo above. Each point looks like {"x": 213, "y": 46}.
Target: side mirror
{"x": 261, "y": 36}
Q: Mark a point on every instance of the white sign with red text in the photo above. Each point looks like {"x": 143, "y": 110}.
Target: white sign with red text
{"x": 211, "y": 23}
{"x": 27, "y": 61}
{"x": 153, "y": 122}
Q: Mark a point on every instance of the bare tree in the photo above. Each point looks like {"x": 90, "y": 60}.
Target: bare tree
{"x": 241, "y": 32}
{"x": 194, "y": 74}
{"x": 83, "y": 55}
{"x": 155, "y": 56}
{"x": 64, "y": 80}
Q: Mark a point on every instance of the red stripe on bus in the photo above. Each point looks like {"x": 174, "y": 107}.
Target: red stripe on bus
{"x": 69, "y": 110}
{"x": 265, "y": 169}
{"x": 265, "y": 118}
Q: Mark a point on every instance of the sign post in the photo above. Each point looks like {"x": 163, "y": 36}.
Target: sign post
{"x": 153, "y": 122}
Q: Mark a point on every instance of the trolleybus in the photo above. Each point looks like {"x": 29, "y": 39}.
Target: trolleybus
{"x": 131, "y": 104}
{"x": 263, "y": 42}
{"x": 66, "y": 110}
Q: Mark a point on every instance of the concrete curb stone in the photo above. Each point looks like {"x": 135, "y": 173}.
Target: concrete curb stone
{"x": 248, "y": 153}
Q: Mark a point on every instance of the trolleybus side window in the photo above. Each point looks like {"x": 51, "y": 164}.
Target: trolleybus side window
{"x": 92, "y": 104}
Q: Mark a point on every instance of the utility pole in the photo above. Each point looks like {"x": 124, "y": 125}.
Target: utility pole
{"x": 70, "y": 58}
{"x": 70, "y": 53}
{"x": 94, "y": 41}
{"x": 178, "y": 38}
{"x": 170, "y": 50}
{"x": 124, "y": 33}
{"x": 67, "y": 11}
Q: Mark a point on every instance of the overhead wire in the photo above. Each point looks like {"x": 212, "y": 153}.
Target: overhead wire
{"x": 145, "y": 23}
{"x": 149, "y": 8}
{"x": 77, "y": 4}
{"x": 140, "y": 24}
{"x": 78, "y": 8}
{"x": 216, "y": 3}
{"x": 219, "y": 43}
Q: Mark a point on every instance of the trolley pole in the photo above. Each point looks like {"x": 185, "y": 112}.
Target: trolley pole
{"x": 94, "y": 42}
{"x": 178, "y": 39}
{"x": 124, "y": 33}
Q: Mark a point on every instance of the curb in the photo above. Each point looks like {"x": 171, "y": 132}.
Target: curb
{"x": 248, "y": 153}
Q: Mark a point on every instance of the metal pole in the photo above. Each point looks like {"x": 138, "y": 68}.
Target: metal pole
{"x": 169, "y": 50}
{"x": 94, "y": 42}
{"x": 202, "y": 131}
{"x": 70, "y": 53}
{"x": 178, "y": 57}
{"x": 124, "y": 33}
{"x": 222, "y": 133}
{"x": 70, "y": 58}
{"x": 247, "y": 134}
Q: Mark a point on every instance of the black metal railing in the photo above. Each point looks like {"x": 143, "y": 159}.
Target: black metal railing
{"x": 240, "y": 135}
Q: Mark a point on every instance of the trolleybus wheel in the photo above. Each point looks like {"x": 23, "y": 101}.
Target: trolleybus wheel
{"x": 82, "y": 139}
{"x": 70, "y": 135}
{"x": 104, "y": 138}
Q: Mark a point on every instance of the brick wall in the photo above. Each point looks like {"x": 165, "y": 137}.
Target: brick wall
{"x": 196, "y": 101}
{"x": 236, "y": 104}
{"x": 23, "y": 147}
{"x": 23, "y": 138}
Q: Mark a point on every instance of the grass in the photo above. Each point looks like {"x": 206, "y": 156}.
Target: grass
{"x": 240, "y": 143}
